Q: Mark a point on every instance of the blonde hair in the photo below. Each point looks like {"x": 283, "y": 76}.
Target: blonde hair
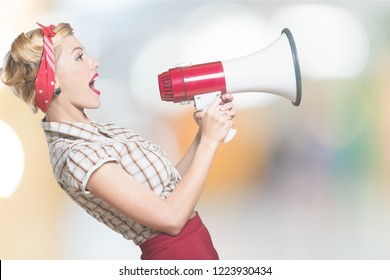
{"x": 22, "y": 62}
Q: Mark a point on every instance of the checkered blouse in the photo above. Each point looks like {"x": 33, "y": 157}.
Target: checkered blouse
{"x": 78, "y": 149}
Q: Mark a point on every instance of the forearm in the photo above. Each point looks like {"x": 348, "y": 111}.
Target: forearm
{"x": 185, "y": 162}
{"x": 186, "y": 195}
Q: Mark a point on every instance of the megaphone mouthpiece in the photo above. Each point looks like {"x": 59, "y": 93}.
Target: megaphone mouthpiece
{"x": 184, "y": 82}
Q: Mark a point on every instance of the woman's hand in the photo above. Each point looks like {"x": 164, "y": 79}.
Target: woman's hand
{"x": 215, "y": 122}
{"x": 224, "y": 99}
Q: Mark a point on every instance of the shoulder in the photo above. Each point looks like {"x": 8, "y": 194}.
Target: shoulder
{"x": 74, "y": 161}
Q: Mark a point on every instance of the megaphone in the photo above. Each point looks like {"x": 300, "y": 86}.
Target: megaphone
{"x": 274, "y": 69}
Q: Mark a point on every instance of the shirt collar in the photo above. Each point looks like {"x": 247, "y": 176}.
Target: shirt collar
{"x": 85, "y": 131}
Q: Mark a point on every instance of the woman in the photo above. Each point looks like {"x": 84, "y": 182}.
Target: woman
{"x": 112, "y": 172}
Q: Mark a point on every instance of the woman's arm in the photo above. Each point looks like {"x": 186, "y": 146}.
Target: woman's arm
{"x": 185, "y": 162}
{"x": 115, "y": 186}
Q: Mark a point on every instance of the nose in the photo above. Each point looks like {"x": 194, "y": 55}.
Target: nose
{"x": 93, "y": 63}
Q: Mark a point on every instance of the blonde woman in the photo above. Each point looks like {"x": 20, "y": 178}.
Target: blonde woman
{"x": 119, "y": 178}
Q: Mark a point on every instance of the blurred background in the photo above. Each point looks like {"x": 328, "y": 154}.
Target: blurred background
{"x": 307, "y": 182}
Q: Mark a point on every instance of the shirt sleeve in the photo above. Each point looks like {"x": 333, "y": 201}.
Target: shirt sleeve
{"x": 83, "y": 160}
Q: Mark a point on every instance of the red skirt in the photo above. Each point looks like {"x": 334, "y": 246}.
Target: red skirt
{"x": 192, "y": 243}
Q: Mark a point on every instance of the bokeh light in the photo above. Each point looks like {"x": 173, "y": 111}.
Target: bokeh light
{"x": 337, "y": 112}
{"x": 332, "y": 42}
{"x": 152, "y": 60}
{"x": 12, "y": 160}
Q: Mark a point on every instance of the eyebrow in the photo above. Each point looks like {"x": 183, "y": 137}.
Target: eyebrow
{"x": 77, "y": 48}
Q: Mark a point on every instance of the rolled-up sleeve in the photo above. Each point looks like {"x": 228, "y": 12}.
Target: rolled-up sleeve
{"x": 83, "y": 160}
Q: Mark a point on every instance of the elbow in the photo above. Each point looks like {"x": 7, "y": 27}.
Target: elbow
{"x": 173, "y": 231}
{"x": 174, "y": 228}
{"x": 174, "y": 225}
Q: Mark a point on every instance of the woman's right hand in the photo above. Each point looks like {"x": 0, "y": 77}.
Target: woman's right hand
{"x": 216, "y": 121}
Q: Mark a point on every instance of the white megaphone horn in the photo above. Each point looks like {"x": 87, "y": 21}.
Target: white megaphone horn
{"x": 274, "y": 69}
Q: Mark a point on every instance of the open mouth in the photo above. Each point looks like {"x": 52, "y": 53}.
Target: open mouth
{"x": 92, "y": 84}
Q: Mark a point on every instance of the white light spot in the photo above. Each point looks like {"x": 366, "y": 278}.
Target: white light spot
{"x": 332, "y": 43}
{"x": 11, "y": 160}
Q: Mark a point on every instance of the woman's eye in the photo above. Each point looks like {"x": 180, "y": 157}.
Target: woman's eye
{"x": 80, "y": 57}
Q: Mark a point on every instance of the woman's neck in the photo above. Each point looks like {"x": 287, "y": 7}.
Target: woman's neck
{"x": 67, "y": 115}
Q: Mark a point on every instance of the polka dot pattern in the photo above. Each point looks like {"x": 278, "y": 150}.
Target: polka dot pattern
{"x": 45, "y": 81}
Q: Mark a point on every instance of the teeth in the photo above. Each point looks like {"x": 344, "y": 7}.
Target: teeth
{"x": 94, "y": 78}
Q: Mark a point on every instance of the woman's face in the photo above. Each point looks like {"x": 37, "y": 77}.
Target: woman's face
{"x": 76, "y": 74}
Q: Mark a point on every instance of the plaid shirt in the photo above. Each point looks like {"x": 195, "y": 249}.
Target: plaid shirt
{"x": 78, "y": 149}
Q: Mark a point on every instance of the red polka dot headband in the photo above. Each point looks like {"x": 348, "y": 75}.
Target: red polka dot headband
{"x": 45, "y": 81}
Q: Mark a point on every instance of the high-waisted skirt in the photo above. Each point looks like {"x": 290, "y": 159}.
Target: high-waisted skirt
{"x": 192, "y": 243}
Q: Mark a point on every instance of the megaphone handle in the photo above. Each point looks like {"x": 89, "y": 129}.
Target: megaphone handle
{"x": 202, "y": 101}
{"x": 230, "y": 135}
